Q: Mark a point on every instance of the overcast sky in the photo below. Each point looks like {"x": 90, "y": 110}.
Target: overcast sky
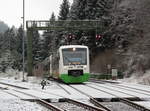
{"x": 11, "y": 11}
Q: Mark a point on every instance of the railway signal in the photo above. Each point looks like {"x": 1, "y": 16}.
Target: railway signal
{"x": 98, "y": 37}
{"x": 98, "y": 40}
{"x": 70, "y": 38}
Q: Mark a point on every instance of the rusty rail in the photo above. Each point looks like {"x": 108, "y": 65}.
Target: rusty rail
{"x": 86, "y": 106}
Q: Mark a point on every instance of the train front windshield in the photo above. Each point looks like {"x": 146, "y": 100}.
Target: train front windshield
{"x": 74, "y": 56}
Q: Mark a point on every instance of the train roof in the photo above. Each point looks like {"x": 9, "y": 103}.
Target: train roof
{"x": 72, "y": 46}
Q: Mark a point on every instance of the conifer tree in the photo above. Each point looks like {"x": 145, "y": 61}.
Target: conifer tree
{"x": 36, "y": 50}
{"x": 77, "y": 11}
{"x": 48, "y": 39}
{"x": 9, "y": 48}
{"x": 90, "y": 9}
{"x": 19, "y": 49}
{"x": 64, "y": 10}
{"x": 103, "y": 8}
{"x": 18, "y": 61}
{"x": 53, "y": 18}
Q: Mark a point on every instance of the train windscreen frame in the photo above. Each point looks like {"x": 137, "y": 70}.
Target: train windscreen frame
{"x": 74, "y": 56}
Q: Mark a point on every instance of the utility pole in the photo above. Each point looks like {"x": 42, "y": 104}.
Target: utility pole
{"x": 23, "y": 35}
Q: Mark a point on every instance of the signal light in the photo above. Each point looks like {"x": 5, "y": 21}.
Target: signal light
{"x": 70, "y": 36}
{"x": 98, "y": 37}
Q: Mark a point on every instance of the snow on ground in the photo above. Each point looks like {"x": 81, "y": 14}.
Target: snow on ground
{"x": 144, "y": 103}
{"x": 12, "y": 103}
{"x": 52, "y": 90}
{"x": 20, "y": 105}
{"x": 5, "y": 95}
{"x": 135, "y": 78}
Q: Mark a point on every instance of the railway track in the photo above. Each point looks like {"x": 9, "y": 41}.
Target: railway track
{"x": 76, "y": 106}
{"x": 15, "y": 86}
{"x": 92, "y": 100}
{"x": 63, "y": 88}
{"x": 134, "y": 90}
{"x": 138, "y": 89}
{"x": 125, "y": 101}
{"x": 77, "y": 103}
{"x": 14, "y": 95}
{"x": 72, "y": 105}
{"x": 129, "y": 88}
{"x": 49, "y": 105}
{"x": 122, "y": 102}
{"x": 101, "y": 106}
{"x": 102, "y": 81}
{"x": 41, "y": 101}
{"x": 36, "y": 99}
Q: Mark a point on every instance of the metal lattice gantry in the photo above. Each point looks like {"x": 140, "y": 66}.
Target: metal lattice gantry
{"x": 57, "y": 25}
{"x": 64, "y": 24}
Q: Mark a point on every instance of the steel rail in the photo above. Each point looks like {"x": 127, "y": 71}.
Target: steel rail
{"x": 110, "y": 89}
{"x": 131, "y": 89}
{"x": 102, "y": 81}
{"x": 135, "y": 105}
{"x": 126, "y": 87}
{"x": 63, "y": 89}
{"x": 60, "y": 86}
{"x": 55, "y": 108}
{"x": 43, "y": 102}
{"x": 48, "y": 105}
{"x": 69, "y": 100}
{"x": 13, "y": 85}
{"x": 134, "y": 88}
{"x": 86, "y": 106}
{"x": 96, "y": 103}
{"x": 15, "y": 95}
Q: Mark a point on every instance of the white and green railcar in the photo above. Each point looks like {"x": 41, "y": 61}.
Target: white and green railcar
{"x": 71, "y": 64}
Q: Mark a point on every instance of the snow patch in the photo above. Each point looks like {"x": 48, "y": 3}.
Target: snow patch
{"x": 145, "y": 79}
{"x": 19, "y": 105}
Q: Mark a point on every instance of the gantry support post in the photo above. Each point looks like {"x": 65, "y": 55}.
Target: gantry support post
{"x": 29, "y": 52}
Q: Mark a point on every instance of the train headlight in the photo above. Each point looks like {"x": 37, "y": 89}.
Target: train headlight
{"x": 85, "y": 67}
{"x": 74, "y": 49}
{"x": 65, "y": 68}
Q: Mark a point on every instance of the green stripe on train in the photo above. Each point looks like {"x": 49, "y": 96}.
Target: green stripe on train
{"x": 72, "y": 79}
